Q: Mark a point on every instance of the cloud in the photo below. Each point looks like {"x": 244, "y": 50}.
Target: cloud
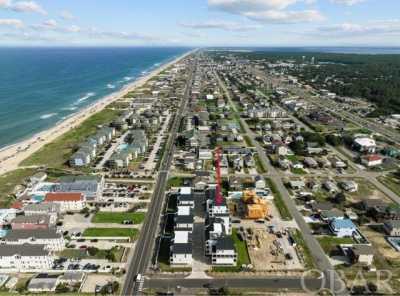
{"x": 226, "y": 26}
{"x": 285, "y": 17}
{"x": 12, "y": 23}
{"x": 5, "y": 3}
{"x": 347, "y": 2}
{"x": 28, "y": 6}
{"x": 73, "y": 29}
{"x": 66, "y": 15}
{"x": 22, "y": 6}
{"x": 239, "y": 6}
{"x": 383, "y": 27}
{"x": 268, "y": 11}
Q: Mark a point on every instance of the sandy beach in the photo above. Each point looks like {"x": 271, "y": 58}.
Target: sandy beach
{"x": 11, "y": 156}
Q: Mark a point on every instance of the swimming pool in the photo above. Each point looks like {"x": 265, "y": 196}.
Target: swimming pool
{"x": 123, "y": 146}
{"x": 37, "y": 198}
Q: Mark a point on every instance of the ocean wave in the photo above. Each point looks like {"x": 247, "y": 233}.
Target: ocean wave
{"x": 46, "y": 116}
{"x": 110, "y": 86}
{"x": 70, "y": 108}
{"x": 85, "y": 97}
{"x": 128, "y": 78}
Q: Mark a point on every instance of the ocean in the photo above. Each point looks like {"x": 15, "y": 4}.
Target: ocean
{"x": 41, "y": 86}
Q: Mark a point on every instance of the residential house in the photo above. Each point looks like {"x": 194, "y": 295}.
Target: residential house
{"x": 43, "y": 283}
{"x": 363, "y": 254}
{"x": 32, "y": 222}
{"x": 349, "y": 186}
{"x": 51, "y": 209}
{"x": 342, "y": 227}
{"x": 371, "y": 160}
{"x": 392, "y": 227}
{"x": 25, "y": 257}
{"x": 50, "y": 238}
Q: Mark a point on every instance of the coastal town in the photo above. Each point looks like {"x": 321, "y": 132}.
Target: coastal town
{"x": 219, "y": 174}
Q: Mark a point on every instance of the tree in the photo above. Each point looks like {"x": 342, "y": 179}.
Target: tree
{"x": 92, "y": 251}
{"x": 62, "y": 288}
{"x": 334, "y": 140}
{"x": 340, "y": 198}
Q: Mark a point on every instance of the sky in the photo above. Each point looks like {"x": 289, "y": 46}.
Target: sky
{"x": 199, "y": 23}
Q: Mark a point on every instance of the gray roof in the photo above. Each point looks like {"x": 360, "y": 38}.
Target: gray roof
{"x": 17, "y": 234}
{"x": 225, "y": 243}
{"x": 45, "y": 283}
{"x": 182, "y": 248}
{"x": 72, "y": 276}
{"x": 23, "y": 250}
{"x": 34, "y": 219}
{"x": 43, "y": 207}
{"x": 184, "y": 219}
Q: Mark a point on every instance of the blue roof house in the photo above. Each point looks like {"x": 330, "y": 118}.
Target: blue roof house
{"x": 342, "y": 227}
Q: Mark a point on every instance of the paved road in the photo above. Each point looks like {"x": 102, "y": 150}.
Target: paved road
{"x": 274, "y": 284}
{"x": 333, "y": 280}
{"x": 144, "y": 247}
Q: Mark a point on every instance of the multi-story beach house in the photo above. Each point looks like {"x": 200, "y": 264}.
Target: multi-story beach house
{"x": 25, "y": 257}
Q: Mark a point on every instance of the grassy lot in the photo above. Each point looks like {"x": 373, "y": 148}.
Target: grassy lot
{"x": 56, "y": 153}
{"x": 303, "y": 249}
{"x": 247, "y": 140}
{"x": 8, "y": 183}
{"x": 279, "y": 203}
{"x": 298, "y": 171}
{"x": 175, "y": 182}
{"x": 111, "y": 232}
{"x": 241, "y": 249}
{"x": 292, "y": 158}
{"x": 115, "y": 254}
{"x": 110, "y": 217}
{"x": 259, "y": 165}
{"x": 391, "y": 182}
{"x": 330, "y": 243}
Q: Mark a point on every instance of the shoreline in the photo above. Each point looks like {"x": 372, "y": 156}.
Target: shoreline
{"x": 12, "y": 155}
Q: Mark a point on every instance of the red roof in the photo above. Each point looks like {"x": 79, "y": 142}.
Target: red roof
{"x": 63, "y": 196}
{"x": 17, "y": 205}
{"x": 373, "y": 157}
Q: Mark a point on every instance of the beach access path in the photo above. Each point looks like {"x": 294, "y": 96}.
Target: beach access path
{"x": 11, "y": 156}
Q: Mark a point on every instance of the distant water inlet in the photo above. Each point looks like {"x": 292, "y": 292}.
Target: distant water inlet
{"x": 41, "y": 86}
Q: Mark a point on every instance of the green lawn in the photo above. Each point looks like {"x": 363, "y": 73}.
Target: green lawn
{"x": 8, "y": 183}
{"x": 303, "y": 249}
{"x": 101, "y": 254}
{"x": 56, "y": 153}
{"x": 241, "y": 249}
{"x": 247, "y": 140}
{"x": 110, "y": 217}
{"x": 298, "y": 171}
{"x": 259, "y": 165}
{"x": 175, "y": 182}
{"x": 111, "y": 232}
{"x": 279, "y": 203}
{"x": 330, "y": 243}
{"x": 391, "y": 182}
{"x": 292, "y": 158}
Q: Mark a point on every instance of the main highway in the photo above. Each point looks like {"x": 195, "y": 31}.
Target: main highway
{"x": 144, "y": 246}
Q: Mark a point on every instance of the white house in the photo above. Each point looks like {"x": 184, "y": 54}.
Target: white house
{"x": 366, "y": 145}
{"x": 371, "y": 160}
{"x": 25, "y": 257}
{"x": 223, "y": 252}
{"x": 68, "y": 201}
